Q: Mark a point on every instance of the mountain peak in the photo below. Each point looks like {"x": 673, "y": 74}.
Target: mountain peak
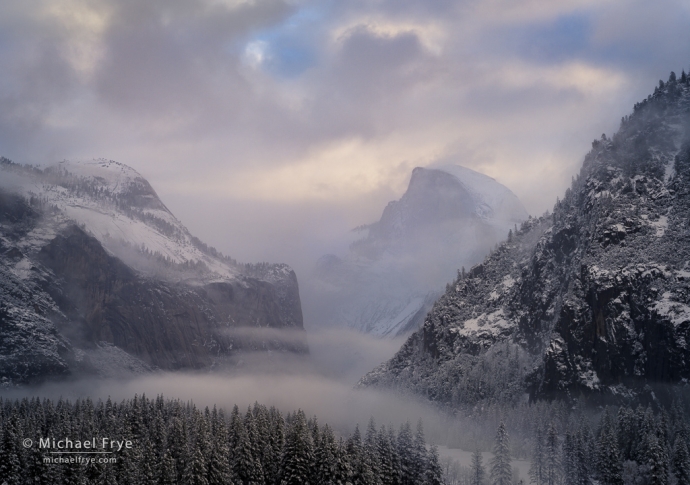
{"x": 448, "y": 218}
{"x": 592, "y": 301}
{"x": 113, "y": 179}
{"x": 449, "y": 194}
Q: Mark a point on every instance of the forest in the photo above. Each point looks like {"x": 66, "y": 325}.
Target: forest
{"x": 177, "y": 443}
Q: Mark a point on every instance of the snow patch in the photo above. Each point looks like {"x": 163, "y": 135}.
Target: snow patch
{"x": 486, "y": 324}
{"x": 675, "y": 311}
{"x": 660, "y": 225}
{"x": 508, "y": 282}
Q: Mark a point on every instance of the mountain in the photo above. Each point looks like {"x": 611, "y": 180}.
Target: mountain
{"x": 97, "y": 276}
{"x": 592, "y": 301}
{"x": 449, "y": 217}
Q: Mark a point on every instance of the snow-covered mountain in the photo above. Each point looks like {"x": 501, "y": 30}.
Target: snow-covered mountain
{"x": 119, "y": 208}
{"x": 449, "y": 217}
{"x": 592, "y": 301}
{"x": 96, "y": 269}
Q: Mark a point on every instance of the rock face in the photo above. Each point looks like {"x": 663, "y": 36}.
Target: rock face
{"x": 592, "y": 301}
{"x": 449, "y": 217}
{"x": 73, "y": 295}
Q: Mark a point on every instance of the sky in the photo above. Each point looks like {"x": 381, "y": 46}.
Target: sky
{"x": 272, "y": 127}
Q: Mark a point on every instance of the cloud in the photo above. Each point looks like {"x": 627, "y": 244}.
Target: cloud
{"x": 226, "y": 104}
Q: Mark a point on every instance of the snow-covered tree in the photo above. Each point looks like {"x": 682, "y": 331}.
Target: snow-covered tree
{"x": 501, "y": 471}
{"x": 477, "y": 470}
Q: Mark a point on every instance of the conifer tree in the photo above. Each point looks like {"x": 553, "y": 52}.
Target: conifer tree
{"x": 537, "y": 469}
{"x": 681, "y": 461}
{"x": 11, "y": 462}
{"x": 552, "y": 456}
{"x": 433, "y": 472}
{"x": 396, "y": 466}
{"x": 325, "y": 457}
{"x": 568, "y": 460}
{"x": 246, "y": 470}
{"x": 407, "y": 455}
{"x": 385, "y": 454}
{"x": 501, "y": 471}
{"x": 658, "y": 462}
{"x": 419, "y": 453}
{"x": 371, "y": 453}
{"x": 195, "y": 471}
{"x": 298, "y": 458}
{"x": 218, "y": 458}
{"x": 477, "y": 470}
{"x": 168, "y": 470}
{"x": 608, "y": 457}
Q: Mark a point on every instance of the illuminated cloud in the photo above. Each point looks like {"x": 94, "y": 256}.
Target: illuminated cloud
{"x": 229, "y": 103}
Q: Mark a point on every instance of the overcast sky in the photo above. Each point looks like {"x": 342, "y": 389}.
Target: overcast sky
{"x": 270, "y": 127}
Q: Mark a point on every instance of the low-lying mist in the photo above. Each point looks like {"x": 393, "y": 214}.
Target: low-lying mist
{"x": 321, "y": 384}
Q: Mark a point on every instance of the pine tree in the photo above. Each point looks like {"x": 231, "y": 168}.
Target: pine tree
{"x": 218, "y": 458}
{"x": 168, "y": 470}
{"x": 501, "y": 471}
{"x": 477, "y": 470}
{"x": 371, "y": 453}
{"x": 433, "y": 472}
{"x": 681, "y": 461}
{"x": 178, "y": 446}
{"x": 298, "y": 458}
{"x": 537, "y": 469}
{"x": 325, "y": 457}
{"x": 568, "y": 460}
{"x": 658, "y": 462}
{"x": 608, "y": 457}
{"x": 419, "y": 453}
{"x": 246, "y": 470}
{"x": 407, "y": 456}
{"x": 396, "y": 466}
{"x": 385, "y": 453}
{"x": 195, "y": 471}
{"x": 276, "y": 443}
{"x": 552, "y": 457}
{"x": 11, "y": 462}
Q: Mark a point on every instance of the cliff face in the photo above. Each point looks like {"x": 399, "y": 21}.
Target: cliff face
{"x": 593, "y": 300}
{"x": 68, "y": 304}
{"x": 449, "y": 217}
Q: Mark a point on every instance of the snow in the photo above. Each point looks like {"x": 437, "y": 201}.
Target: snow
{"x": 660, "y": 225}
{"x": 102, "y": 218}
{"x": 117, "y": 177}
{"x": 494, "y": 201}
{"x": 683, "y": 274}
{"x": 669, "y": 170}
{"x": 485, "y": 324}
{"x": 508, "y": 282}
{"x": 675, "y": 311}
{"x": 393, "y": 324}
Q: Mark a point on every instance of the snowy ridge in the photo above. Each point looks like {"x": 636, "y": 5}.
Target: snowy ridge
{"x": 494, "y": 202}
{"x": 115, "y": 204}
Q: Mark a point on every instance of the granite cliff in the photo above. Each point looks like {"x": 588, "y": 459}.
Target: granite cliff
{"x": 98, "y": 277}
